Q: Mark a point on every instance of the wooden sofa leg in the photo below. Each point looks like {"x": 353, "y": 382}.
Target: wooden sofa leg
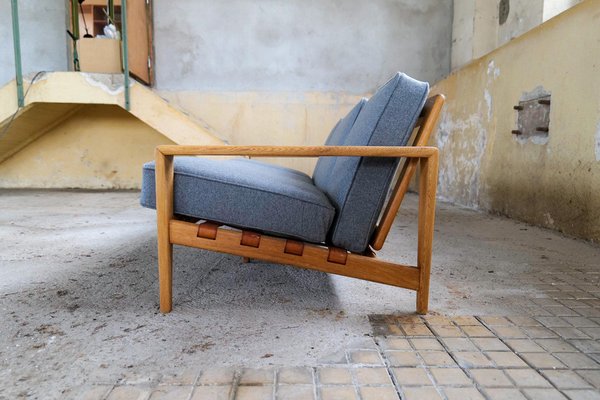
{"x": 164, "y": 214}
{"x": 165, "y": 276}
{"x": 427, "y": 190}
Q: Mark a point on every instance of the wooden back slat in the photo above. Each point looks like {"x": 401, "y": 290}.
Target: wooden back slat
{"x": 426, "y": 123}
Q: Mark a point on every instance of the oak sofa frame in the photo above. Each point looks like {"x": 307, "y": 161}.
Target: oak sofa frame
{"x": 247, "y": 244}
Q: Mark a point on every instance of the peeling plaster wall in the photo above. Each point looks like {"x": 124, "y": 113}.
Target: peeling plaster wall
{"x": 99, "y": 147}
{"x": 43, "y": 37}
{"x": 555, "y": 182}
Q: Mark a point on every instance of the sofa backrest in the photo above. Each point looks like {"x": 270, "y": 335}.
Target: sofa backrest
{"x": 357, "y": 186}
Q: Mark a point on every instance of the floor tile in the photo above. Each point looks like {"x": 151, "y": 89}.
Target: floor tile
{"x": 412, "y": 376}
{"x": 490, "y": 344}
{"x": 544, "y": 394}
{"x": 334, "y": 376}
{"x": 254, "y": 393}
{"x": 129, "y": 393}
{"x": 450, "y": 377}
{"x": 527, "y": 377}
{"x": 495, "y": 321}
{"x": 437, "y": 359}
{"x": 542, "y": 360}
{"x": 402, "y": 358}
{"x": 395, "y": 344}
{"x": 338, "y": 393}
{"x": 378, "y": 393}
{"x": 459, "y": 344}
{"x": 472, "y": 359}
{"x": 416, "y": 330}
{"x": 490, "y": 378}
{"x": 524, "y": 346}
{"x": 211, "y": 393}
{"x": 571, "y": 333}
{"x": 509, "y": 332}
{"x": 469, "y": 393}
{"x": 447, "y": 331}
{"x": 504, "y": 359}
{"x": 465, "y": 320}
{"x": 257, "y": 377}
{"x": 426, "y": 344}
{"x": 171, "y": 392}
{"x": 504, "y": 394}
{"x": 477, "y": 331}
{"x": 372, "y": 376}
{"x": 295, "y": 392}
{"x": 556, "y": 345}
{"x": 565, "y": 379}
{"x": 591, "y": 376}
{"x": 583, "y": 394}
{"x": 577, "y": 360}
{"x": 421, "y": 393}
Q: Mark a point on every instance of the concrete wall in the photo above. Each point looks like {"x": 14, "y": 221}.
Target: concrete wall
{"x": 555, "y": 182}
{"x": 478, "y": 28}
{"x": 43, "y": 37}
{"x": 300, "y": 45}
{"x": 283, "y": 72}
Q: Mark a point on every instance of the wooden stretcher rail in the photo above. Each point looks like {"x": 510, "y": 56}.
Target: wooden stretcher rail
{"x": 272, "y": 249}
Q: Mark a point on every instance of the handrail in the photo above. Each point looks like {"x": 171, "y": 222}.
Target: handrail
{"x": 17, "y": 49}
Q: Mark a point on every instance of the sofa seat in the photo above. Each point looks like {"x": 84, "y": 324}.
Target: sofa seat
{"x": 247, "y": 194}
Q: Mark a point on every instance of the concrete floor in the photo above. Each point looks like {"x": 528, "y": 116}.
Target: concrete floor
{"x": 78, "y": 292}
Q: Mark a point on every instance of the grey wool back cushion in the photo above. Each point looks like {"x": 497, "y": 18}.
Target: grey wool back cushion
{"x": 357, "y": 186}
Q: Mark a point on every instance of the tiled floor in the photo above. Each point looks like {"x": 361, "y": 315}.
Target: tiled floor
{"x": 553, "y": 355}
{"x": 411, "y": 357}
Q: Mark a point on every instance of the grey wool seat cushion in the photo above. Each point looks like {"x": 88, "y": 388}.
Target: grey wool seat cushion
{"x": 357, "y": 186}
{"x": 247, "y": 194}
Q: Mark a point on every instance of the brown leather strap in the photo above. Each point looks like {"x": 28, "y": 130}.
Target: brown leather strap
{"x": 251, "y": 239}
{"x": 337, "y": 255}
{"x": 208, "y": 230}
{"x": 294, "y": 247}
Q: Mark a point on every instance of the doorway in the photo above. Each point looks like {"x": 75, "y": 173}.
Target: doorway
{"x": 94, "y": 16}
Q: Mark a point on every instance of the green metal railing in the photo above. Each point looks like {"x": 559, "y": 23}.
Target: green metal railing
{"x": 75, "y": 37}
{"x": 17, "y": 48}
{"x": 124, "y": 48}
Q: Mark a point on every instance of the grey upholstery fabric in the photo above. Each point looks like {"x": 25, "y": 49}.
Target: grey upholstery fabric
{"x": 340, "y": 205}
{"x": 324, "y": 167}
{"x": 247, "y": 194}
{"x": 357, "y": 186}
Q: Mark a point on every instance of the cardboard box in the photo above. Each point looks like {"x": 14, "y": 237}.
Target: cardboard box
{"x": 100, "y": 55}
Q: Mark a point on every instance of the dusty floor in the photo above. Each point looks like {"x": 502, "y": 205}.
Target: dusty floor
{"x": 78, "y": 300}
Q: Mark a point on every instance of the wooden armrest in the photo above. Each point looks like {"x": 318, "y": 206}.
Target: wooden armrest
{"x": 299, "y": 151}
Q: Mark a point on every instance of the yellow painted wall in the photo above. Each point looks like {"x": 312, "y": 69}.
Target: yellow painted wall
{"x": 269, "y": 118}
{"x": 554, "y": 184}
{"x": 98, "y": 147}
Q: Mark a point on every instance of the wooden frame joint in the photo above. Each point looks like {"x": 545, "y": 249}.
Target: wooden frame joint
{"x": 251, "y": 239}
